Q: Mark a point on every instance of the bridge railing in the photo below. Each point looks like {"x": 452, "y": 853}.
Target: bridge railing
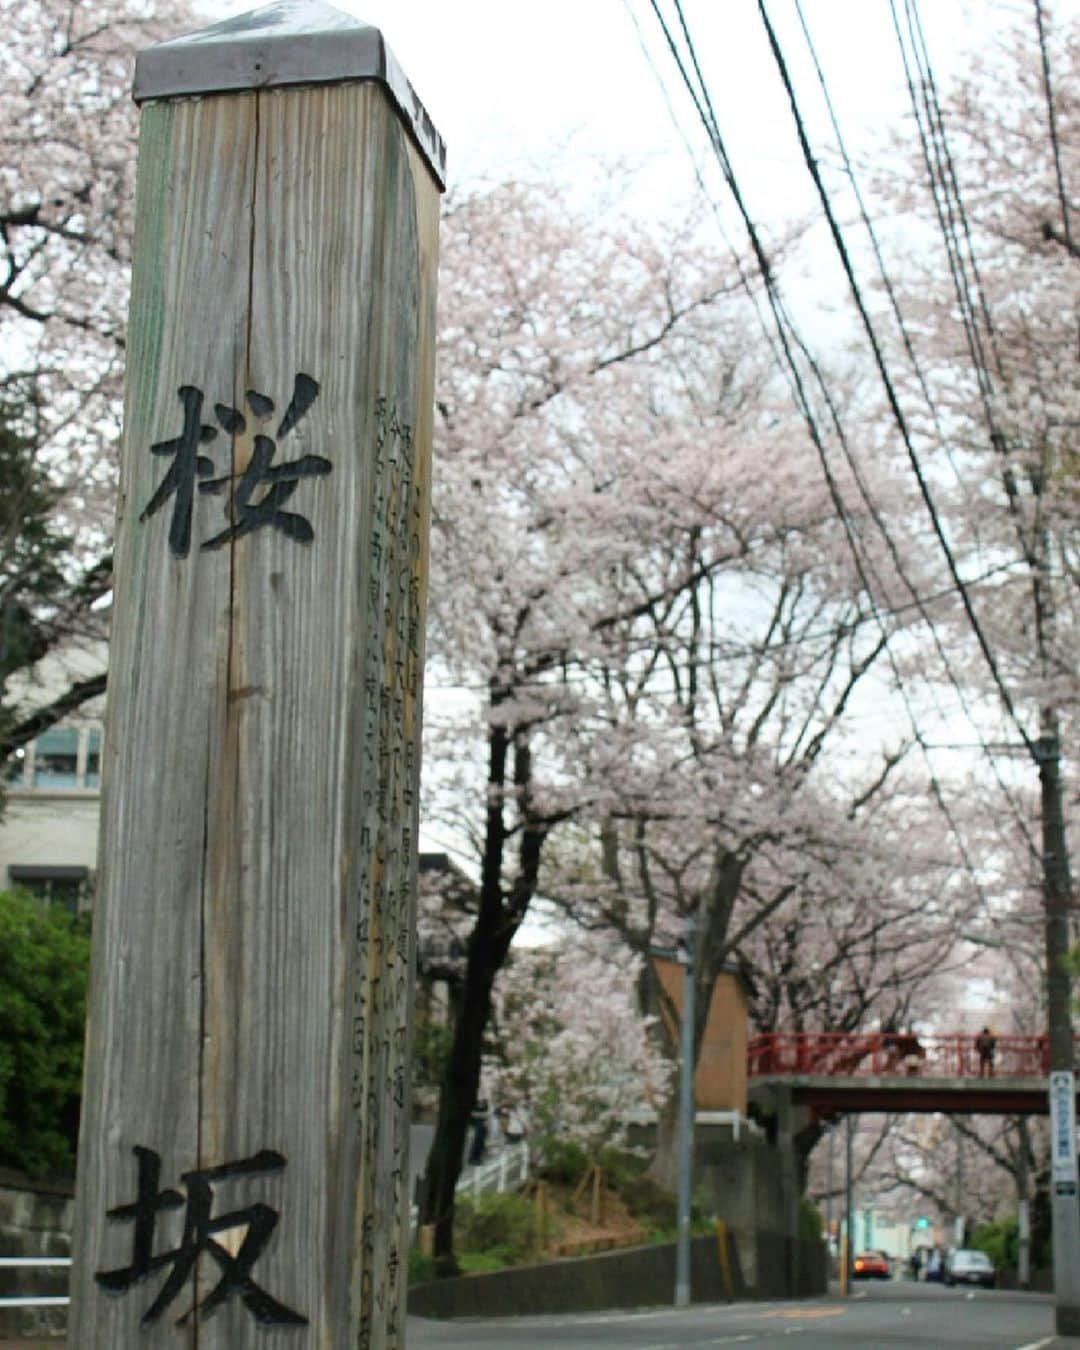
{"x": 863, "y": 1054}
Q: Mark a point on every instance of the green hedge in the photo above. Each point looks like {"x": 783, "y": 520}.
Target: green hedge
{"x": 505, "y": 1228}
{"x": 44, "y": 960}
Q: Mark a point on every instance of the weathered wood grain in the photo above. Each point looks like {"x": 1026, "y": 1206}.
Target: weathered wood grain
{"x": 253, "y": 941}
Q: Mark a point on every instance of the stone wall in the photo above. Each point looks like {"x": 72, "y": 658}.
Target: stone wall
{"x": 35, "y": 1220}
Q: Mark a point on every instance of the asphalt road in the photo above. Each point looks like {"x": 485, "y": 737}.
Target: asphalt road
{"x": 894, "y": 1314}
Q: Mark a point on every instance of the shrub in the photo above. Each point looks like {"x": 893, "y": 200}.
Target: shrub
{"x": 44, "y": 959}
{"x": 564, "y": 1162}
{"x": 431, "y": 1051}
{"x": 811, "y": 1226}
{"x": 477, "y": 1263}
{"x": 648, "y": 1202}
{"x": 1000, "y": 1240}
{"x": 421, "y": 1267}
{"x": 623, "y": 1165}
{"x": 505, "y": 1227}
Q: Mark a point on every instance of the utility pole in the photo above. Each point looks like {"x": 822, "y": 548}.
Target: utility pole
{"x": 829, "y": 1181}
{"x": 686, "y": 1115}
{"x": 958, "y": 1222}
{"x": 1057, "y": 891}
{"x": 1023, "y": 1213}
{"x": 847, "y": 1253}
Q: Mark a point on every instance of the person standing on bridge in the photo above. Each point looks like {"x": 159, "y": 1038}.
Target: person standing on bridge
{"x": 986, "y": 1044}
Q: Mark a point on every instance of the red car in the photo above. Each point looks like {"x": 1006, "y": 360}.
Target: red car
{"x": 871, "y": 1266}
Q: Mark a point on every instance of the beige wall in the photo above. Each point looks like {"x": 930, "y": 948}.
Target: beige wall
{"x": 720, "y": 1080}
{"x": 48, "y": 829}
{"x": 52, "y": 825}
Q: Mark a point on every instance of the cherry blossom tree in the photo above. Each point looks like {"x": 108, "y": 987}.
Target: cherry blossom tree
{"x": 563, "y": 486}
{"x": 724, "y": 788}
{"x": 67, "y": 132}
{"x": 553, "y": 1009}
{"x": 990, "y": 296}
{"x": 641, "y": 581}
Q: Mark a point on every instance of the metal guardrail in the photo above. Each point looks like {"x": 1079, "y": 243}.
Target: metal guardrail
{"x": 858, "y": 1054}
{"x": 33, "y": 1300}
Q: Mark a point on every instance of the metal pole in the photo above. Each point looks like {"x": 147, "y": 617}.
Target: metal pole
{"x": 829, "y": 1184}
{"x": 1023, "y": 1217}
{"x": 849, "y": 1202}
{"x": 959, "y": 1226}
{"x": 1023, "y": 1208}
{"x": 686, "y": 1117}
{"x": 1057, "y": 892}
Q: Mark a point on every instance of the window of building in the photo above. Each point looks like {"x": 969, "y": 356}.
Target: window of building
{"x": 92, "y": 772}
{"x": 60, "y": 758}
{"x": 56, "y": 758}
{"x": 57, "y": 885}
{"x": 15, "y": 768}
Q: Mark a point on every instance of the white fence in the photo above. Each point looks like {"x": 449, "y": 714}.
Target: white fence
{"x": 33, "y": 1300}
{"x": 508, "y": 1169}
{"x": 503, "y": 1171}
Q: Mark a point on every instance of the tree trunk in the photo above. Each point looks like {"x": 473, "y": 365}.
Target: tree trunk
{"x": 665, "y": 1164}
{"x": 456, "y": 1099}
{"x": 499, "y": 917}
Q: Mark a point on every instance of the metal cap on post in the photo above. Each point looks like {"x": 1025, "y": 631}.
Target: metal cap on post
{"x": 289, "y": 42}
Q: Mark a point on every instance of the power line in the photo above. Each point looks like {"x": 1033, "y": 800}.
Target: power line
{"x": 949, "y": 208}
{"x": 909, "y": 349}
{"x": 788, "y": 336}
{"x": 890, "y": 391}
{"x": 785, "y": 329}
{"x": 1053, "y": 127}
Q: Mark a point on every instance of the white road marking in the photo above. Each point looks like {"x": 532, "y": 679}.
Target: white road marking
{"x": 716, "y": 1340}
{"x": 1038, "y": 1345}
{"x": 703, "y": 1311}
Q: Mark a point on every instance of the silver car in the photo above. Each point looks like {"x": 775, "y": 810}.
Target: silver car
{"x": 966, "y": 1266}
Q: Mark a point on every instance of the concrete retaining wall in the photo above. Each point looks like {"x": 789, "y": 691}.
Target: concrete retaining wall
{"x": 35, "y": 1220}
{"x": 638, "y": 1277}
{"x": 1042, "y": 1281}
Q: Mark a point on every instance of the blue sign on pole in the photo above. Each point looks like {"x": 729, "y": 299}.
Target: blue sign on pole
{"x": 1063, "y": 1126}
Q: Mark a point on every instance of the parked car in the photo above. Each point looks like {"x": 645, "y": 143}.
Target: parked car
{"x": 967, "y": 1266}
{"x": 871, "y": 1266}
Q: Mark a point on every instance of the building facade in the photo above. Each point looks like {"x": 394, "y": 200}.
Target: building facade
{"x": 49, "y": 829}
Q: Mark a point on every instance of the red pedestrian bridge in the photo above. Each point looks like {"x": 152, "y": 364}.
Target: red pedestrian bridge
{"x": 840, "y": 1071}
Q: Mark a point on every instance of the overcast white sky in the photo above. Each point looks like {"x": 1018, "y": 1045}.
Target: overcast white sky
{"x": 560, "y": 87}
{"x": 556, "y": 83}
{"x": 557, "y": 86}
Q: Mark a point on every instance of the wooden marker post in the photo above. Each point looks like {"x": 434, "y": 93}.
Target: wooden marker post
{"x": 244, "y": 1152}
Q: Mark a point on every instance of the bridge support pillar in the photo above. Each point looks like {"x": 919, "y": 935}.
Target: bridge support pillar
{"x": 787, "y": 1126}
{"x": 789, "y": 1120}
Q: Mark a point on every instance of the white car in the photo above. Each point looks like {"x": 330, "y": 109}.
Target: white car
{"x": 966, "y": 1266}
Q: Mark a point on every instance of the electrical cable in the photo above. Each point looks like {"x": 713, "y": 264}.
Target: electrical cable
{"x": 785, "y": 327}
{"x": 781, "y": 317}
{"x": 1033, "y": 541}
{"x": 909, "y": 349}
{"x": 890, "y": 391}
{"x": 1053, "y": 127}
